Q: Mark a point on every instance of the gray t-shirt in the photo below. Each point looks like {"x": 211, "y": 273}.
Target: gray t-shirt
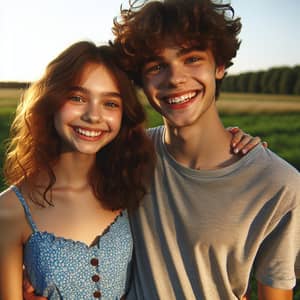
{"x": 199, "y": 233}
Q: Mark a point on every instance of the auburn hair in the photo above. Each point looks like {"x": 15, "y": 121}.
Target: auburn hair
{"x": 123, "y": 168}
{"x": 141, "y": 31}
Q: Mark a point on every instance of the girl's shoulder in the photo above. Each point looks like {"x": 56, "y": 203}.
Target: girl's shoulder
{"x": 9, "y": 202}
{"x": 12, "y": 217}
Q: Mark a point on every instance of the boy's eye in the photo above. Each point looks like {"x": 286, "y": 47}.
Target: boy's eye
{"x": 192, "y": 59}
{"x": 153, "y": 68}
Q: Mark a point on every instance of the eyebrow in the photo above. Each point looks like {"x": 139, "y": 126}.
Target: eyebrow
{"x": 87, "y": 92}
{"x": 186, "y": 50}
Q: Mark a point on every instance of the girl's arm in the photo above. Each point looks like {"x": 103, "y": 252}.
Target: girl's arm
{"x": 11, "y": 248}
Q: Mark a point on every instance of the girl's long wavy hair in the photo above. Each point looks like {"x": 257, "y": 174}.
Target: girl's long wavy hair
{"x": 123, "y": 168}
{"x": 142, "y": 30}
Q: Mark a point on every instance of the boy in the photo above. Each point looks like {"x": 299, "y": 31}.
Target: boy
{"x": 211, "y": 217}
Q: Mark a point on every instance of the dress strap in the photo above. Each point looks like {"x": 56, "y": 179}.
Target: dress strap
{"x": 26, "y": 207}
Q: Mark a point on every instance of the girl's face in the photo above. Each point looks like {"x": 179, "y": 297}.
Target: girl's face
{"x": 92, "y": 114}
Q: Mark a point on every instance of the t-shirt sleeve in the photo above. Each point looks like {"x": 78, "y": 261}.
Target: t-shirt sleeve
{"x": 277, "y": 263}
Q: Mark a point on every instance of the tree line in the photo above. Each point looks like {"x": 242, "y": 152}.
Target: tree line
{"x": 14, "y": 85}
{"x": 276, "y": 80}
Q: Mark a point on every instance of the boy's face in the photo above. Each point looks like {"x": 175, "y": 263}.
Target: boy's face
{"x": 180, "y": 83}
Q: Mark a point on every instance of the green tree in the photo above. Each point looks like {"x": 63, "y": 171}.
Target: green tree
{"x": 296, "y": 88}
{"x": 229, "y": 84}
{"x": 264, "y": 83}
{"x": 243, "y": 82}
{"x": 274, "y": 79}
{"x": 287, "y": 81}
{"x": 254, "y": 82}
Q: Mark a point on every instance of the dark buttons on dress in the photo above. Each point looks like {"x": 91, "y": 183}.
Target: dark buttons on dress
{"x": 97, "y": 294}
{"x": 95, "y": 278}
{"x": 94, "y": 262}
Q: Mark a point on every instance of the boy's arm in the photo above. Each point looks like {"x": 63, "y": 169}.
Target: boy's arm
{"x": 28, "y": 291}
{"x": 268, "y": 293}
{"x": 242, "y": 142}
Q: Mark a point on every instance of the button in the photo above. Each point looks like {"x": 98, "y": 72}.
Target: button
{"x": 95, "y": 278}
{"x": 97, "y": 294}
{"x": 95, "y": 262}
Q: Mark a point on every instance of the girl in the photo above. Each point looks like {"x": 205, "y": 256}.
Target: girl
{"x": 78, "y": 160}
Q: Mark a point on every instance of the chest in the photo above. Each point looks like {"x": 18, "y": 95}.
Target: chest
{"x": 211, "y": 212}
{"x": 82, "y": 221}
{"x": 59, "y": 264}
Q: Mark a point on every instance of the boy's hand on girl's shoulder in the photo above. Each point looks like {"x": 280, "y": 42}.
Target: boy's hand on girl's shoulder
{"x": 242, "y": 142}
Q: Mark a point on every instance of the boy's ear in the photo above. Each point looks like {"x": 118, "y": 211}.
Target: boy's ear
{"x": 220, "y": 71}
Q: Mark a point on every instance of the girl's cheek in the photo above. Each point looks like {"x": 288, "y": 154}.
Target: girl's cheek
{"x": 68, "y": 111}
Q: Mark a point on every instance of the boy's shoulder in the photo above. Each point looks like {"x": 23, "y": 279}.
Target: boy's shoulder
{"x": 281, "y": 167}
{"x": 155, "y": 132}
{"x": 276, "y": 171}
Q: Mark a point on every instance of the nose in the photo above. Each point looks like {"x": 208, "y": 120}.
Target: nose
{"x": 176, "y": 75}
{"x": 92, "y": 114}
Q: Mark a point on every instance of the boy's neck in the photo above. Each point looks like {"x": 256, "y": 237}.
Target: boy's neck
{"x": 205, "y": 145}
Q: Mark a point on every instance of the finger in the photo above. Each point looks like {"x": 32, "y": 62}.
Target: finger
{"x": 233, "y": 129}
{"x": 240, "y": 140}
{"x": 27, "y": 287}
{"x": 238, "y": 135}
{"x": 247, "y": 144}
{"x": 32, "y": 296}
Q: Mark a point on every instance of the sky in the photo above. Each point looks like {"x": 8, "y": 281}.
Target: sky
{"x": 33, "y": 32}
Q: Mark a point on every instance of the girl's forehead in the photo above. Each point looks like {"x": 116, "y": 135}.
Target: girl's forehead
{"x": 89, "y": 69}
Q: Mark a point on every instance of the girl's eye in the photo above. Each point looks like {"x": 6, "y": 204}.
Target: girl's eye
{"x": 112, "y": 104}
{"x": 77, "y": 98}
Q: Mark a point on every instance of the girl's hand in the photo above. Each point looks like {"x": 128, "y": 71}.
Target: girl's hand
{"x": 28, "y": 290}
{"x": 242, "y": 142}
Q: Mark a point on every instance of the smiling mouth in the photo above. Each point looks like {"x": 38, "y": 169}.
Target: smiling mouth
{"x": 88, "y": 133}
{"x": 181, "y": 99}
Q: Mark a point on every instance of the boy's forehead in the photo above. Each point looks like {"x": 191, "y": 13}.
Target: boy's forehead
{"x": 176, "y": 49}
{"x": 178, "y": 45}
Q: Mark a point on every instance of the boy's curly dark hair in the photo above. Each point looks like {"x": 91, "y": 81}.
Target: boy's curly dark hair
{"x": 141, "y": 31}
{"x": 123, "y": 168}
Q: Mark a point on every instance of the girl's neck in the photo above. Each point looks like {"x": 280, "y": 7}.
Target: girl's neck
{"x": 72, "y": 169}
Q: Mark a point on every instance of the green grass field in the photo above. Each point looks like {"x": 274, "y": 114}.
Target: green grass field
{"x": 280, "y": 127}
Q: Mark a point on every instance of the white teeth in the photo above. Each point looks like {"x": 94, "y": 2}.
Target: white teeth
{"x": 89, "y": 133}
{"x": 182, "y": 98}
